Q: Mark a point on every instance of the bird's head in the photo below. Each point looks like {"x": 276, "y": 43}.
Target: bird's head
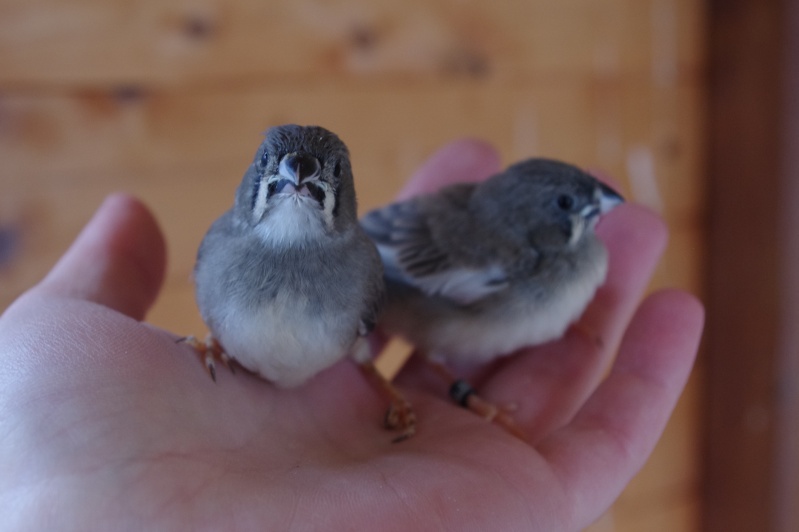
{"x": 549, "y": 203}
{"x": 299, "y": 185}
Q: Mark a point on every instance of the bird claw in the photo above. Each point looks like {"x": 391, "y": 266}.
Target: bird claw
{"x": 492, "y": 414}
{"x": 400, "y": 416}
{"x": 209, "y": 351}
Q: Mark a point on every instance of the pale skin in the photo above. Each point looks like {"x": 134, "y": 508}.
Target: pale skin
{"x": 106, "y": 422}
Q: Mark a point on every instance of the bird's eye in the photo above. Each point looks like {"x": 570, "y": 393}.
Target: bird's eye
{"x": 337, "y": 169}
{"x": 264, "y": 158}
{"x": 565, "y": 202}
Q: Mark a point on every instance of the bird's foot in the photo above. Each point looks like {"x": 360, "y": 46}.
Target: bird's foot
{"x": 400, "y": 415}
{"x": 209, "y": 351}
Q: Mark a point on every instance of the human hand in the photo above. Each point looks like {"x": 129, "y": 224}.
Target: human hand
{"x": 107, "y": 422}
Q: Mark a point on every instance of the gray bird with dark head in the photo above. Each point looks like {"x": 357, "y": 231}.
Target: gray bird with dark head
{"x": 478, "y": 271}
{"x": 286, "y": 280}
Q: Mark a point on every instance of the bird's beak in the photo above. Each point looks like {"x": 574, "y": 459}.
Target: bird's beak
{"x": 607, "y": 198}
{"x": 299, "y": 167}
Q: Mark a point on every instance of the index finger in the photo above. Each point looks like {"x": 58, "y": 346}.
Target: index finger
{"x": 610, "y": 438}
{"x": 461, "y": 161}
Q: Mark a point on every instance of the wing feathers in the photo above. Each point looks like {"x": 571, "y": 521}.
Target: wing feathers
{"x": 411, "y": 255}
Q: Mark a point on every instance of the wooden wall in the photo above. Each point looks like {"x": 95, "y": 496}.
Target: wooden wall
{"x": 167, "y": 99}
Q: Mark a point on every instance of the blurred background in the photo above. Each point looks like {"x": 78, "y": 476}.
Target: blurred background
{"x": 167, "y": 100}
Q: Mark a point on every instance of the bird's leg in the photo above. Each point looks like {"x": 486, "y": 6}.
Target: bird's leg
{"x": 400, "y": 415}
{"x": 466, "y": 396}
{"x": 209, "y": 352}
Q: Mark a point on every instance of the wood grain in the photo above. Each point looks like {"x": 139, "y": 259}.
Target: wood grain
{"x": 206, "y": 42}
{"x": 97, "y": 138}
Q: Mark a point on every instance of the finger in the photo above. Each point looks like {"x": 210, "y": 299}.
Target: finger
{"x": 461, "y": 161}
{"x": 635, "y": 238}
{"x": 118, "y": 260}
{"x": 613, "y": 434}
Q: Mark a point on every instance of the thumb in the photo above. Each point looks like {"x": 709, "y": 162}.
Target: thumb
{"x": 118, "y": 260}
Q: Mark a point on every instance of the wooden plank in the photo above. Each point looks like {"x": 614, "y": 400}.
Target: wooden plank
{"x": 47, "y": 43}
{"x": 744, "y": 388}
{"x": 683, "y": 263}
{"x": 627, "y": 129}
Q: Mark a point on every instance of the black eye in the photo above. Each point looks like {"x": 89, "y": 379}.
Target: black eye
{"x": 565, "y": 202}
{"x": 337, "y": 170}
{"x": 264, "y": 158}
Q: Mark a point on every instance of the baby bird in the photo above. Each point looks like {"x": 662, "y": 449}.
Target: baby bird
{"x": 286, "y": 280}
{"x": 478, "y": 271}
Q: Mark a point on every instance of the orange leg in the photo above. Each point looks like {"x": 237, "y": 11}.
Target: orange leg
{"x": 465, "y": 395}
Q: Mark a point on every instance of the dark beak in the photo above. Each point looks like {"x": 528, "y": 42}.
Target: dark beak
{"x": 300, "y": 166}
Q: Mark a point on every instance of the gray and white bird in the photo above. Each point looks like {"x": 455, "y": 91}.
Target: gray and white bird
{"x": 477, "y": 271}
{"x": 286, "y": 280}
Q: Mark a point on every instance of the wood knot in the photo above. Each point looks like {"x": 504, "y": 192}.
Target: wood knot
{"x": 363, "y": 38}
{"x": 128, "y": 94}
{"x": 198, "y": 27}
{"x": 467, "y": 63}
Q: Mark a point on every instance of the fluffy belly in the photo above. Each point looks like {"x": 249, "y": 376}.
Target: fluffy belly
{"x": 480, "y": 339}
{"x": 284, "y": 342}
{"x": 512, "y": 322}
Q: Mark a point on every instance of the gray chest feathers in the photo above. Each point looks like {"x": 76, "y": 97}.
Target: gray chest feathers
{"x": 287, "y": 313}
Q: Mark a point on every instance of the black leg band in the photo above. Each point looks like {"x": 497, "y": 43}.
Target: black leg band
{"x": 460, "y": 391}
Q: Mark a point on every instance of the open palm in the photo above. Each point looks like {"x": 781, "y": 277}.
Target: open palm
{"x": 106, "y": 422}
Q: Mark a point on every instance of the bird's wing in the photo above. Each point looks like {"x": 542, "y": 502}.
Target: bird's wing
{"x": 413, "y": 255}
